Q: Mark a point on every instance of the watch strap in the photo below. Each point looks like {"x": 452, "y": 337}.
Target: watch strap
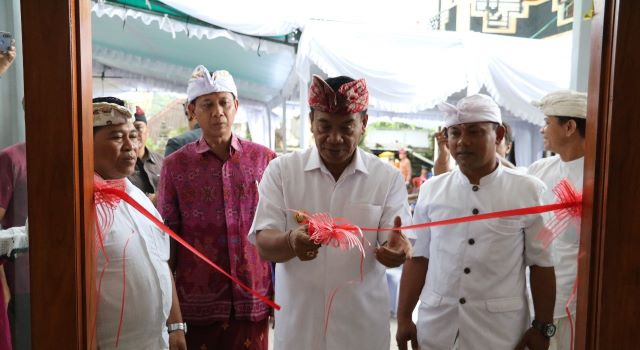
{"x": 181, "y": 326}
{"x": 547, "y": 329}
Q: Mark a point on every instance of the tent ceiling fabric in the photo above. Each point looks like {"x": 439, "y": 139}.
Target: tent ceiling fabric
{"x": 262, "y": 18}
{"x": 280, "y": 17}
{"x": 411, "y": 72}
{"x": 126, "y": 39}
{"x": 408, "y": 68}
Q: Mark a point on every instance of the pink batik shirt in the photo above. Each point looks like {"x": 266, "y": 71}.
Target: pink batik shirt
{"x": 211, "y": 203}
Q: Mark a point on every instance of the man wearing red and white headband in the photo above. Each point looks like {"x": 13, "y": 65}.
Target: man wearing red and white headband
{"x": 133, "y": 313}
{"x": 470, "y": 277}
{"x": 337, "y": 178}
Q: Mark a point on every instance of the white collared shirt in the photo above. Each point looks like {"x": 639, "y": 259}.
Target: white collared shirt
{"x": 476, "y": 275}
{"x": 565, "y": 247}
{"x": 369, "y": 193}
{"x": 148, "y": 292}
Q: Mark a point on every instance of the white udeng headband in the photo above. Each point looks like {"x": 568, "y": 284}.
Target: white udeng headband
{"x": 563, "y": 103}
{"x": 472, "y": 109}
{"x": 105, "y": 113}
{"x": 202, "y": 83}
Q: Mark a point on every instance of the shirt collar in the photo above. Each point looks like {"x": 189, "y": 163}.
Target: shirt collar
{"x": 202, "y": 146}
{"x": 357, "y": 163}
{"x": 573, "y": 164}
{"x": 485, "y": 180}
{"x": 151, "y": 157}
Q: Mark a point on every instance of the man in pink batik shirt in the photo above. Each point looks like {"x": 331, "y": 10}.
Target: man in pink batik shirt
{"x": 208, "y": 195}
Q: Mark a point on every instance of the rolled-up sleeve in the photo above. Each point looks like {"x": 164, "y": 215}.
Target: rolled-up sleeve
{"x": 535, "y": 252}
{"x": 270, "y": 213}
{"x": 396, "y": 204}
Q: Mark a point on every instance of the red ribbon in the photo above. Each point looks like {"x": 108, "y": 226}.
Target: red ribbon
{"x": 337, "y": 233}
{"x": 498, "y": 214}
{"x": 565, "y": 203}
{"x": 335, "y": 230}
{"x": 125, "y": 197}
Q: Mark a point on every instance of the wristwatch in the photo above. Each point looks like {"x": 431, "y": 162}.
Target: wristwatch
{"x": 177, "y": 327}
{"x": 547, "y": 329}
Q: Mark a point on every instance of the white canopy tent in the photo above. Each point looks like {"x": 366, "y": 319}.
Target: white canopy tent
{"x": 409, "y": 68}
{"x": 412, "y": 72}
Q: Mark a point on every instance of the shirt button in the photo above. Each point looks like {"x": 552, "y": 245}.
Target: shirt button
{"x": 467, "y": 270}
{"x": 475, "y": 211}
{"x": 475, "y": 188}
{"x": 472, "y": 241}
{"x": 463, "y": 300}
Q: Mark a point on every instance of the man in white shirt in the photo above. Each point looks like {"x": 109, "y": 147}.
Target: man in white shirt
{"x": 131, "y": 246}
{"x": 563, "y": 134}
{"x": 337, "y": 178}
{"x": 470, "y": 277}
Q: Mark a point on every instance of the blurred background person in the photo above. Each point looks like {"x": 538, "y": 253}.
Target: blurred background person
{"x": 193, "y": 134}
{"x": 147, "y": 171}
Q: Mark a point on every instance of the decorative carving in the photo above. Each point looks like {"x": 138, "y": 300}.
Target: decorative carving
{"x": 500, "y": 16}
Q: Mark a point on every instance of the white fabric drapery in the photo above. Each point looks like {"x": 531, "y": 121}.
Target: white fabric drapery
{"x": 281, "y": 17}
{"x": 192, "y": 30}
{"x": 408, "y": 72}
{"x": 262, "y": 18}
{"x": 156, "y": 75}
{"x": 262, "y": 123}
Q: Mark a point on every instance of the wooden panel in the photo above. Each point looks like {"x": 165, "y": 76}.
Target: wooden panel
{"x": 594, "y": 189}
{"x": 610, "y": 270}
{"x": 84, "y": 94}
{"x": 57, "y": 80}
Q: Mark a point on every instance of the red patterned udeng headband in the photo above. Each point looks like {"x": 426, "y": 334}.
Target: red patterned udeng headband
{"x": 352, "y": 97}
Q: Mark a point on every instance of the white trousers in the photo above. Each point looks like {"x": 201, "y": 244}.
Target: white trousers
{"x": 562, "y": 339}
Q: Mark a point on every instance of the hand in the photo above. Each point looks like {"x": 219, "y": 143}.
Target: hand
{"x": 6, "y": 58}
{"x": 441, "y": 140}
{"x": 152, "y": 197}
{"x": 177, "y": 341}
{"x": 533, "y": 340}
{"x": 302, "y": 245}
{"x": 396, "y": 250}
{"x": 406, "y": 332}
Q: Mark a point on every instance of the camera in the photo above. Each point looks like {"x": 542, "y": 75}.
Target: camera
{"x": 6, "y": 40}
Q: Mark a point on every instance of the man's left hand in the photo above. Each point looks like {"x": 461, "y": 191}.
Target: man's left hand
{"x": 396, "y": 250}
{"x": 533, "y": 340}
{"x": 177, "y": 341}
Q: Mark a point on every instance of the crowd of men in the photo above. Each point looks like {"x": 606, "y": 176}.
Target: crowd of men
{"x": 239, "y": 204}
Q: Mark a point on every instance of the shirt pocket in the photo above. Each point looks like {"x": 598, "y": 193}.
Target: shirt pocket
{"x": 505, "y": 304}
{"x": 504, "y": 237}
{"x": 364, "y": 216}
{"x": 504, "y": 226}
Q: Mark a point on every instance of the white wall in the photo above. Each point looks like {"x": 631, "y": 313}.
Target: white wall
{"x": 11, "y": 83}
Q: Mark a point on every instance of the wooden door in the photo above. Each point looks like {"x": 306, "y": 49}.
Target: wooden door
{"x": 57, "y": 81}
{"x": 609, "y": 270}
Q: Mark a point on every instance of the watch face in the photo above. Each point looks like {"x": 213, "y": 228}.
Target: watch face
{"x": 550, "y": 330}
